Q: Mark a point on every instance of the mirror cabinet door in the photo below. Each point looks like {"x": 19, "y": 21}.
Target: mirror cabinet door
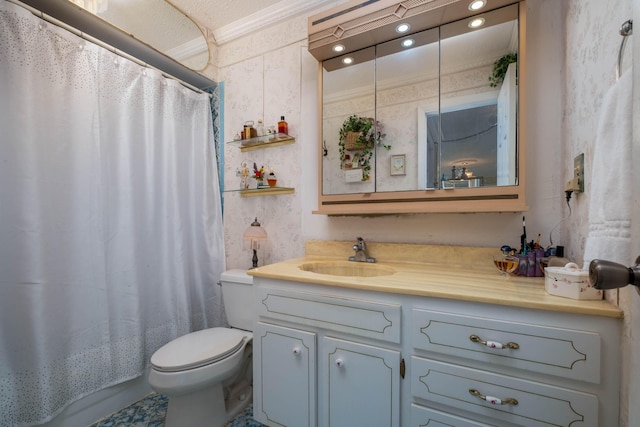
{"x": 476, "y": 126}
{"x": 407, "y": 80}
{"x": 348, "y": 100}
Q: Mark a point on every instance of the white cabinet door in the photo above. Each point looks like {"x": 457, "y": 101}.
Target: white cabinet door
{"x": 284, "y": 376}
{"x": 360, "y": 385}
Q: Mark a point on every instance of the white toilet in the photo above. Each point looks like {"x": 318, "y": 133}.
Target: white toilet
{"x": 207, "y": 374}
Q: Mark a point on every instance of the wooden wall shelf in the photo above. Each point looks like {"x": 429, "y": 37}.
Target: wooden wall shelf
{"x": 263, "y": 141}
{"x": 268, "y": 191}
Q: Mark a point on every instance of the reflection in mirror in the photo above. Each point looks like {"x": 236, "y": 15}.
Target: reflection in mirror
{"x": 156, "y": 23}
{"x": 437, "y": 104}
{"x": 476, "y": 128}
{"x": 406, "y": 78}
{"x": 468, "y": 155}
{"x": 347, "y": 90}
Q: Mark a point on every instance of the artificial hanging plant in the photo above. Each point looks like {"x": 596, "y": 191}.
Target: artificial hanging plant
{"x": 370, "y": 134}
{"x": 500, "y": 68}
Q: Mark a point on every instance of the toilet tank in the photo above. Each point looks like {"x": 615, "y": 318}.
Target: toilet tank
{"x": 237, "y": 294}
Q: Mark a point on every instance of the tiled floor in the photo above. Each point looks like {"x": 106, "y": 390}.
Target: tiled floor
{"x": 150, "y": 412}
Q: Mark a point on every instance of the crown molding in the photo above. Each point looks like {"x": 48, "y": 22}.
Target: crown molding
{"x": 271, "y": 15}
{"x": 187, "y": 50}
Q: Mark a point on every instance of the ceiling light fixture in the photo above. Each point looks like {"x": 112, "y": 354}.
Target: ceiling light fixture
{"x": 476, "y": 23}
{"x": 407, "y": 42}
{"x": 402, "y": 28}
{"x": 477, "y": 5}
{"x": 348, "y": 60}
{"x": 338, "y": 48}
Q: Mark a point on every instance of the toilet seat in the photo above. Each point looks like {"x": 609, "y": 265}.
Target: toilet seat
{"x": 198, "y": 349}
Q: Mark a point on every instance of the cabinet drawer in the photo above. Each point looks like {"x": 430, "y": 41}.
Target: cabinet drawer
{"x": 535, "y": 404}
{"x": 421, "y": 416}
{"x": 555, "y": 351}
{"x": 353, "y": 316}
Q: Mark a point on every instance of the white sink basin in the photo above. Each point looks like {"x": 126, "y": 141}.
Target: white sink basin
{"x": 347, "y": 268}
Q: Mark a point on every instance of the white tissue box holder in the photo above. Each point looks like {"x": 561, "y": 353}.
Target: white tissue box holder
{"x": 570, "y": 282}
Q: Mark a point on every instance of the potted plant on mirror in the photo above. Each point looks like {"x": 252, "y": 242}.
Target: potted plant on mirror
{"x": 500, "y": 69}
{"x": 361, "y": 134}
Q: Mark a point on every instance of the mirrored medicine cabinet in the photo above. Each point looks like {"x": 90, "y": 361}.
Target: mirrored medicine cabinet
{"x": 429, "y": 121}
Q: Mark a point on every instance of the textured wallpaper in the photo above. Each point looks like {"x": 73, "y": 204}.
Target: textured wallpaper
{"x": 263, "y": 87}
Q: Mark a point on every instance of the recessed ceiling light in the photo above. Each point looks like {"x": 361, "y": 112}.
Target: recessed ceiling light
{"x": 338, "y": 48}
{"x": 402, "y": 28}
{"x": 348, "y": 60}
{"x": 407, "y": 42}
{"x": 476, "y": 22}
{"x": 477, "y": 4}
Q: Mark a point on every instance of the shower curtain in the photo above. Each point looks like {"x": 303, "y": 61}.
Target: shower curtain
{"x": 111, "y": 238}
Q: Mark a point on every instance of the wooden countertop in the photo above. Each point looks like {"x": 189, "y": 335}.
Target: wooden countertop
{"x": 475, "y": 283}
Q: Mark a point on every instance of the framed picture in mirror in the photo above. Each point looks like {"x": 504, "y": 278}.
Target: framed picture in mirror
{"x": 397, "y": 164}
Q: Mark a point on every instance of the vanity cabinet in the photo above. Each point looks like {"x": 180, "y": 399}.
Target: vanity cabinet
{"x": 358, "y": 359}
{"x": 467, "y": 363}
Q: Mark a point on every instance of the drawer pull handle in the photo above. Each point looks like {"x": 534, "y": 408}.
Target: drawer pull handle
{"x": 339, "y": 363}
{"x": 296, "y": 351}
{"x": 493, "y": 400}
{"x": 494, "y": 344}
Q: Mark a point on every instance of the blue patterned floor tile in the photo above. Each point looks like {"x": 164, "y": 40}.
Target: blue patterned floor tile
{"x": 151, "y": 411}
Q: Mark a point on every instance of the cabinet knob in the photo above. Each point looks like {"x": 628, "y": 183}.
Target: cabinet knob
{"x": 339, "y": 363}
{"x": 297, "y": 351}
{"x": 494, "y": 344}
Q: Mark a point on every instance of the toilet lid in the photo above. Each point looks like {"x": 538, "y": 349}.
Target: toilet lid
{"x": 197, "y": 349}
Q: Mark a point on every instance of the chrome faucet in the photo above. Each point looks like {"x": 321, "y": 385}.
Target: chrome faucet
{"x": 360, "y": 249}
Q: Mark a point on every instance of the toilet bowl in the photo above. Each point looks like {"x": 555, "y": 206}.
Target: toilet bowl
{"x": 207, "y": 374}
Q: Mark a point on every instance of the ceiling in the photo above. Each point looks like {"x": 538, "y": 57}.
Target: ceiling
{"x": 214, "y": 14}
{"x": 162, "y": 23}
{"x": 229, "y": 19}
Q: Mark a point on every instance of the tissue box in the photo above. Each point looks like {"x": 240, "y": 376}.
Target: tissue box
{"x": 570, "y": 282}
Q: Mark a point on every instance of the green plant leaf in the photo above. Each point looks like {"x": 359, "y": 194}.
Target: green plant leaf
{"x": 500, "y": 67}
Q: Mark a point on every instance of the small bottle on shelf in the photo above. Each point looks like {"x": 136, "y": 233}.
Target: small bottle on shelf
{"x": 283, "y": 127}
{"x": 260, "y": 128}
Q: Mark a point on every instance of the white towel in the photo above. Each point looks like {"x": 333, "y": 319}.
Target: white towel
{"x": 609, "y": 235}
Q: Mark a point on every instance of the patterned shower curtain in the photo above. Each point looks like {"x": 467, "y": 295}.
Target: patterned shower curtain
{"x": 111, "y": 237}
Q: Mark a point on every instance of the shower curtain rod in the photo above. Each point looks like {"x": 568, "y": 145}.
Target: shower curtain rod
{"x": 104, "y": 45}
